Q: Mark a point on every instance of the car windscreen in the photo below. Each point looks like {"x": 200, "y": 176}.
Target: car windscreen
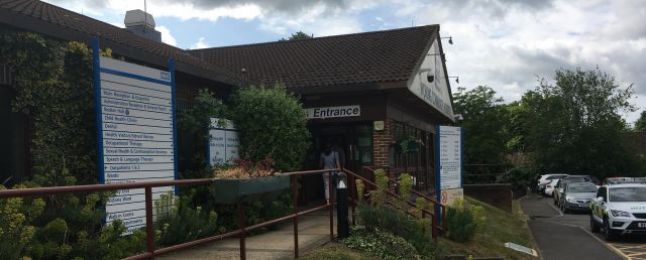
{"x": 628, "y": 194}
{"x": 582, "y": 188}
{"x": 577, "y": 179}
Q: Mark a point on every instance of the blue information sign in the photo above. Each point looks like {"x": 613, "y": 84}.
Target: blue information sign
{"x": 136, "y": 132}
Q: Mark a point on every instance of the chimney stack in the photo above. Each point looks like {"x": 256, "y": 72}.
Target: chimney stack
{"x": 142, "y": 23}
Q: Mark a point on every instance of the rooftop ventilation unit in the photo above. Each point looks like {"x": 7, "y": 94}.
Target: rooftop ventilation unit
{"x": 142, "y": 23}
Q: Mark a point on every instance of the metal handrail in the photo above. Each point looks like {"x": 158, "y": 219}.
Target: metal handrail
{"x": 151, "y": 252}
{"x": 442, "y": 207}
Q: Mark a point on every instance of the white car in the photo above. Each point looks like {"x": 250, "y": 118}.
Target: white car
{"x": 549, "y": 188}
{"x": 619, "y": 209}
{"x": 545, "y": 179}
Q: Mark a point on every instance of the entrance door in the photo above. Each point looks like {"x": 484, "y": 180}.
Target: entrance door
{"x": 353, "y": 142}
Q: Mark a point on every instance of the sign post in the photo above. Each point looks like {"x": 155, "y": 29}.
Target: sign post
{"x": 224, "y": 142}
{"x": 135, "y": 131}
{"x": 449, "y": 165}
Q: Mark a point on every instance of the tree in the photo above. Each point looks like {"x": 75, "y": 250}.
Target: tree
{"x": 640, "y": 124}
{"x": 300, "y": 35}
{"x": 484, "y": 120}
{"x": 272, "y": 124}
{"x": 575, "y": 125}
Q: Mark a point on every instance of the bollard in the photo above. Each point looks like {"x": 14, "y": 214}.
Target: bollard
{"x": 343, "y": 228}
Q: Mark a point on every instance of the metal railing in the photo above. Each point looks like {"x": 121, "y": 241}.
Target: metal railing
{"x": 151, "y": 251}
{"x": 242, "y": 230}
{"x": 437, "y": 225}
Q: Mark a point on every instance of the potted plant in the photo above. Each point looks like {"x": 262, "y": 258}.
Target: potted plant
{"x": 247, "y": 180}
{"x": 408, "y": 144}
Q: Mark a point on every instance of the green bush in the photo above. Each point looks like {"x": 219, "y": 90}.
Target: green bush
{"x": 272, "y": 124}
{"x": 382, "y": 244}
{"x": 193, "y": 124}
{"x": 16, "y": 230}
{"x": 461, "y": 224}
{"x": 179, "y": 222}
{"x": 400, "y": 224}
{"x": 520, "y": 178}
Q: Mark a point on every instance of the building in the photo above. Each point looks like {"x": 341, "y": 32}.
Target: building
{"x": 378, "y": 96}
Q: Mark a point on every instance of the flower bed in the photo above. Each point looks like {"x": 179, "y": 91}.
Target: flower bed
{"x": 246, "y": 181}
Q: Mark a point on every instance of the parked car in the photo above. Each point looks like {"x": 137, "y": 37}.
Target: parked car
{"x": 619, "y": 209}
{"x": 560, "y": 186}
{"x": 545, "y": 179}
{"x": 549, "y": 188}
{"x": 577, "y": 196}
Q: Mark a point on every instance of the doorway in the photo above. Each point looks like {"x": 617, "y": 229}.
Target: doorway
{"x": 353, "y": 143}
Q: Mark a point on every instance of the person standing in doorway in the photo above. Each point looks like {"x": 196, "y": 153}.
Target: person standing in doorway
{"x": 329, "y": 160}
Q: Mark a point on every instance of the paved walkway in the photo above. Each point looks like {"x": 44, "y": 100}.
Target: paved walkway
{"x": 313, "y": 231}
{"x": 562, "y": 236}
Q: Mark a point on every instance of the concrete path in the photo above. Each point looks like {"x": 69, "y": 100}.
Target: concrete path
{"x": 562, "y": 236}
{"x": 313, "y": 231}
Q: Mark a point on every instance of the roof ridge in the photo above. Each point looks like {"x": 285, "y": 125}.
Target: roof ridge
{"x": 316, "y": 38}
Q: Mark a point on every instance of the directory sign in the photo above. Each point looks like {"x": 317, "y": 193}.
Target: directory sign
{"x": 448, "y": 160}
{"x": 223, "y": 142}
{"x": 136, "y": 133}
{"x": 450, "y": 163}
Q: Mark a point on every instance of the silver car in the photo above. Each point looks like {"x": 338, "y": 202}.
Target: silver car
{"x": 577, "y": 196}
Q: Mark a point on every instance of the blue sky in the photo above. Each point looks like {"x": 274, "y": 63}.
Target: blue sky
{"x": 504, "y": 44}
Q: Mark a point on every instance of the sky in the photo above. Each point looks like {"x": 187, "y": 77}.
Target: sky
{"x": 504, "y": 44}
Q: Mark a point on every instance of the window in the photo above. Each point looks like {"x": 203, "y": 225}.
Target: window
{"x": 628, "y": 194}
{"x": 602, "y": 193}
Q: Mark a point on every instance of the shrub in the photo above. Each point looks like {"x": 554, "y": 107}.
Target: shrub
{"x": 382, "y": 244}
{"x": 179, "y": 222}
{"x": 461, "y": 224}
{"x": 519, "y": 177}
{"x": 400, "y": 224}
{"x": 16, "y": 230}
{"x": 272, "y": 124}
{"x": 193, "y": 124}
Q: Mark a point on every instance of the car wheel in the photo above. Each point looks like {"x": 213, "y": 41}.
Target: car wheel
{"x": 593, "y": 225}
{"x": 607, "y": 232}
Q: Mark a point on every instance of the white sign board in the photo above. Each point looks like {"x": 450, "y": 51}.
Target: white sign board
{"x": 136, "y": 136}
{"x": 449, "y": 196}
{"x": 430, "y": 83}
{"x": 223, "y": 142}
{"x": 450, "y": 157}
{"x": 329, "y": 112}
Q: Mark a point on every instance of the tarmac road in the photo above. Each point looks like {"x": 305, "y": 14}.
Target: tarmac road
{"x": 564, "y": 236}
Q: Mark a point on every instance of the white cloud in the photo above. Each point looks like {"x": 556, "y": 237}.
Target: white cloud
{"x": 166, "y": 36}
{"x": 200, "y": 44}
{"x": 504, "y": 44}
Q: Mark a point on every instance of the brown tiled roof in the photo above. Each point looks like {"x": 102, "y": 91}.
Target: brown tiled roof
{"x": 361, "y": 58}
{"x": 57, "y": 22}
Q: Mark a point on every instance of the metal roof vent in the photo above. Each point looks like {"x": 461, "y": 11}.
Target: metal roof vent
{"x": 142, "y": 23}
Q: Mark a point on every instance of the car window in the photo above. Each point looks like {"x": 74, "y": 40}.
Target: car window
{"x": 628, "y": 194}
{"x": 581, "y": 188}
{"x": 602, "y": 193}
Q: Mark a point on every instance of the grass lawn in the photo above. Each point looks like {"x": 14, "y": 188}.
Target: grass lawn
{"x": 336, "y": 251}
{"x": 500, "y": 227}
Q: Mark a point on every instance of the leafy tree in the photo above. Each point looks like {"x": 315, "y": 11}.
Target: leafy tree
{"x": 575, "y": 125}
{"x": 272, "y": 124}
{"x": 193, "y": 124}
{"x": 640, "y": 124}
{"x": 300, "y": 35}
{"x": 484, "y": 120}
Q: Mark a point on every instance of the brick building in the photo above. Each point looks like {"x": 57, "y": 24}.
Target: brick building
{"x": 367, "y": 93}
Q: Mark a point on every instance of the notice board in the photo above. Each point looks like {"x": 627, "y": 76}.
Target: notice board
{"x": 136, "y": 132}
{"x": 223, "y": 142}
{"x": 448, "y": 158}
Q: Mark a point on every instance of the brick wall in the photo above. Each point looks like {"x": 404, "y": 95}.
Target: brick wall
{"x": 381, "y": 141}
{"x": 497, "y": 194}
